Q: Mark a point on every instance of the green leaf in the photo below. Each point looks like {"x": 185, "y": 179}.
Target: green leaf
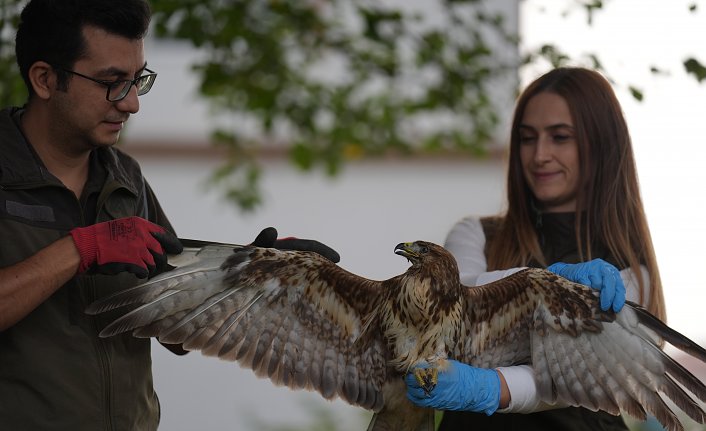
{"x": 636, "y": 93}
{"x": 302, "y": 155}
{"x": 553, "y": 55}
{"x": 694, "y": 67}
{"x": 591, "y": 7}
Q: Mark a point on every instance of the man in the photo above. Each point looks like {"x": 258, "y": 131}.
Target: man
{"x": 77, "y": 221}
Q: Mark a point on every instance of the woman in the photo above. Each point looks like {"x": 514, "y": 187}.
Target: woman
{"x": 572, "y": 196}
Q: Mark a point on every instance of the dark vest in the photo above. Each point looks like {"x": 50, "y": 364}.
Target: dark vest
{"x": 557, "y": 238}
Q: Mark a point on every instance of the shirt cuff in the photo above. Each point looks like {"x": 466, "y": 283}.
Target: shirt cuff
{"x": 523, "y": 389}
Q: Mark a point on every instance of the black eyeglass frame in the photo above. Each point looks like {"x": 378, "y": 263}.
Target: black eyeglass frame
{"x": 151, "y": 76}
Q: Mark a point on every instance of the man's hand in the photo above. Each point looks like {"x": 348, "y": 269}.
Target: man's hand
{"x": 268, "y": 239}
{"x": 459, "y": 387}
{"x": 599, "y": 275}
{"x": 130, "y": 244}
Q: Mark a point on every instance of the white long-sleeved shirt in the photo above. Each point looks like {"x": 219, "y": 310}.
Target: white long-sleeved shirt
{"x": 466, "y": 241}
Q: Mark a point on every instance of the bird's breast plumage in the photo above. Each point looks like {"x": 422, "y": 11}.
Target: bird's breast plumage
{"x": 415, "y": 327}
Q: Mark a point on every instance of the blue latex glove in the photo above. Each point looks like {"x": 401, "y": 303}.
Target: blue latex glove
{"x": 460, "y": 387}
{"x": 599, "y": 275}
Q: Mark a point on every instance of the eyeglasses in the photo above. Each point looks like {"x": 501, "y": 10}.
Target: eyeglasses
{"x": 118, "y": 90}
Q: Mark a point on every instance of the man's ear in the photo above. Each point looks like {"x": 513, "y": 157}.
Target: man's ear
{"x": 43, "y": 79}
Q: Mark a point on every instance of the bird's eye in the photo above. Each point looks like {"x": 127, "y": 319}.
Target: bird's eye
{"x": 424, "y": 249}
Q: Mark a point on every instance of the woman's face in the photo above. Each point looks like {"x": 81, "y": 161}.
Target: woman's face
{"x": 549, "y": 152}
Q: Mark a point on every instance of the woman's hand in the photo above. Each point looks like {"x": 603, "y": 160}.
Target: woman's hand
{"x": 599, "y": 275}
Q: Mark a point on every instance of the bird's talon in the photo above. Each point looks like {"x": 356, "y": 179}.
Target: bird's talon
{"x": 427, "y": 378}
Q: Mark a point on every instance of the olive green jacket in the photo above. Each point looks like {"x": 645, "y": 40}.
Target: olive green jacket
{"x": 55, "y": 372}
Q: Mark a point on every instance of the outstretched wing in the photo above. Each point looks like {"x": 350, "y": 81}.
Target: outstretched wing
{"x": 293, "y": 317}
{"x": 581, "y": 355}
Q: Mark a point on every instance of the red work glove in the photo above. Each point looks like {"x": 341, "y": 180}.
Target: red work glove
{"x": 130, "y": 244}
{"x": 268, "y": 239}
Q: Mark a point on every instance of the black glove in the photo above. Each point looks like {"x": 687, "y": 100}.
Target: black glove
{"x": 268, "y": 239}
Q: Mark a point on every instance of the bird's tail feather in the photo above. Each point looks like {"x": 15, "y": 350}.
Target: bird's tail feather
{"x": 398, "y": 413}
{"x": 391, "y": 421}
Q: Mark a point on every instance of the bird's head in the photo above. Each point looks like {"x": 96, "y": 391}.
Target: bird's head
{"x": 430, "y": 262}
{"x": 420, "y": 252}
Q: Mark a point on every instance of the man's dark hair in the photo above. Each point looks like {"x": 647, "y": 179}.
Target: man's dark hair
{"x": 51, "y": 30}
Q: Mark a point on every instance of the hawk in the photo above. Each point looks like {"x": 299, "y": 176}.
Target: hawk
{"x": 306, "y": 323}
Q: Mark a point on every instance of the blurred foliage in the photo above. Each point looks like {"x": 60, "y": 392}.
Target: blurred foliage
{"x": 12, "y": 90}
{"x": 696, "y": 68}
{"x": 338, "y": 80}
{"x": 331, "y": 81}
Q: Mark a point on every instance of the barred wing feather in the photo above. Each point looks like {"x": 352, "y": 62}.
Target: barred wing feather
{"x": 581, "y": 355}
{"x": 304, "y": 322}
{"x": 293, "y": 317}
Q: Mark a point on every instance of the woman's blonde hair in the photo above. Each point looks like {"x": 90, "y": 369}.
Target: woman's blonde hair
{"x": 609, "y": 207}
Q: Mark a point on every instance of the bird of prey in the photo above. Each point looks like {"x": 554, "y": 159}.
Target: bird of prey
{"x": 304, "y": 322}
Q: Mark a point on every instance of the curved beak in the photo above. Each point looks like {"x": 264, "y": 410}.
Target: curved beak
{"x": 408, "y": 250}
